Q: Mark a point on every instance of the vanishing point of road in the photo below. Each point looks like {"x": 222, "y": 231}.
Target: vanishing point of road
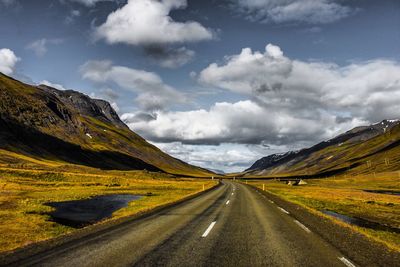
{"x": 232, "y": 225}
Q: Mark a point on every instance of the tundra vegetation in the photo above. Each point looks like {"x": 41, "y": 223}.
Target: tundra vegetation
{"x": 24, "y": 190}
{"x": 369, "y": 197}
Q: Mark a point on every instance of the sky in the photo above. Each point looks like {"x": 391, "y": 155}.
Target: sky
{"x": 217, "y": 84}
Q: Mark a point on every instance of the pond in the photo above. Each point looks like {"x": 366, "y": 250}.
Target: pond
{"x": 361, "y": 222}
{"x": 80, "y": 213}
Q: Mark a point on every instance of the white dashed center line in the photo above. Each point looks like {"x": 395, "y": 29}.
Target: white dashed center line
{"x": 302, "y": 226}
{"x": 209, "y": 229}
{"x": 346, "y": 262}
{"x": 283, "y": 210}
{"x": 227, "y": 202}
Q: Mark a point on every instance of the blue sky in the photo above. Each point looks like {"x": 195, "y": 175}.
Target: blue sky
{"x": 216, "y": 83}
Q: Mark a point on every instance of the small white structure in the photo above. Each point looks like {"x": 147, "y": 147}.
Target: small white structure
{"x": 302, "y": 182}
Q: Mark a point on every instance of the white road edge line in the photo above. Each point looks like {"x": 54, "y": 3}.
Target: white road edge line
{"x": 346, "y": 262}
{"x": 283, "y": 210}
{"x": 209, "y": 229}
{"x": 232, "y": 194}
{"x": 305, "y": 228}
{"x": 227, "y": 202}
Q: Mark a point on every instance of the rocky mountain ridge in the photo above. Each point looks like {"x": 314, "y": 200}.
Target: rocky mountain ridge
{"x": 337, "y": 154}
{"x": 68, "y": 126}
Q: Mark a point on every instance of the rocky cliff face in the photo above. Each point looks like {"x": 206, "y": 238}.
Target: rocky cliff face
{"x": 272, "y": 160}
{"x": 86, "y": 106}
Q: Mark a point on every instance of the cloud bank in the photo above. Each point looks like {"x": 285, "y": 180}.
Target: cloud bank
{"x": 368, "y": 90}
{"x": 243, "y": 122}
{"x": 292, "y": 11}
{"x": 226, "y": 157}
{"x": 289, "y": 102}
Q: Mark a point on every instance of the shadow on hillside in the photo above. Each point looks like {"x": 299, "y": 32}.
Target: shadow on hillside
{"x": 31, "y": 142}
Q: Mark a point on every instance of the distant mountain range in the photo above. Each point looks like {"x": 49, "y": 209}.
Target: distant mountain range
{"x": 217, "y": 171}
{"x": 40, "y": 123}
{"x": 365, "y": 149}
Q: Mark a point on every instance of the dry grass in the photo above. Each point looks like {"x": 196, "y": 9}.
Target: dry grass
{"x": 346, "y": 195}
{"x": 23, "y": 192}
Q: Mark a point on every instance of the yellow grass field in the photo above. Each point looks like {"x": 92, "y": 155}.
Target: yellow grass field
{"x": 346, "y": 195}
{"x": 23, "y": 192}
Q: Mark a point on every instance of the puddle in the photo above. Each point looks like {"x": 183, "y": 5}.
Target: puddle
{"x": 361, "y": 222}
{"x": 387, "y": 192}
{"x": 80, "y": 213}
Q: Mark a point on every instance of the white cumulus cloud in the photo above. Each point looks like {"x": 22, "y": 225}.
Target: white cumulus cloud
{"x": 144, "y": 22}
{"x": 152, "y": 92}
{"x": 8, "y": 60}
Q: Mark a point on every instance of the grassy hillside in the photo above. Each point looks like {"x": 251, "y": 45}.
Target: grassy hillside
{"x": 360, "y": 151}
{"x": 41, "y": 124}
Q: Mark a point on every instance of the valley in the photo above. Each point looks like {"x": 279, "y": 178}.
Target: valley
{"x": 185, "y": 133}
{"x": 70, "y": 168}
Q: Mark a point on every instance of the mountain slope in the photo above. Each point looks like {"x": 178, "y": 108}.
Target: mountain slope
{"x": 365, "y": 149}
{"x": 70, "y": 127}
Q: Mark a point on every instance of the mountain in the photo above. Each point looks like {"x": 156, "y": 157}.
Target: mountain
{"x": 364, "y": 149}
{"x": 46, "y": 124}
{"x": 216, "y": 171}
{"x": 272, "y": 160}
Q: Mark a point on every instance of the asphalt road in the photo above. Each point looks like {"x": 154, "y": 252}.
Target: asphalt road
{"x": 233, "y": 225}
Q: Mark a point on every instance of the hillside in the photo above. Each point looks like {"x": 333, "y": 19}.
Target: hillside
{"x": 366, "y": 149}
{"x": 40, "y": 123}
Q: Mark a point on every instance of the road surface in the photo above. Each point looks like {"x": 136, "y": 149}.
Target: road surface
{"x": 233, "y": 225}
